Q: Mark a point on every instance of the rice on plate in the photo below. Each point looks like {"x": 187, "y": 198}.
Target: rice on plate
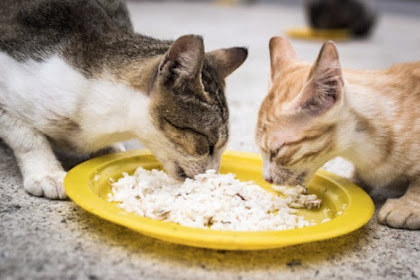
{"x": 211, "y": 200}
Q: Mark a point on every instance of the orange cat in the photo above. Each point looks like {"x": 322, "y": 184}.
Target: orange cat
{"x": 312, "y": 114}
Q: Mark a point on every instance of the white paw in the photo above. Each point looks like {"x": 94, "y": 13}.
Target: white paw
{"x": 400, "y": 213}
{"x": 50, "y": 185}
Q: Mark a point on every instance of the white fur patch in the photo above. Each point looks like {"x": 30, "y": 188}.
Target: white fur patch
{"x": 49, "y": 93}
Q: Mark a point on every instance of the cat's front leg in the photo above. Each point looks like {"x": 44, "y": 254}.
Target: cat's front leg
{"x": 42, "y": 174}
{"x": 357, "y": 180}
{"x": 403, "y": 212}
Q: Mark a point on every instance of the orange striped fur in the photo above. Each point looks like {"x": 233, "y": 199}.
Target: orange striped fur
{"x": 313, "y": 113}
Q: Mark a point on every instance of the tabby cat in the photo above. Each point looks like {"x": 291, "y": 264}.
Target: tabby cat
{"x": 312, "y": 114}
{"x": 75, "y": 77}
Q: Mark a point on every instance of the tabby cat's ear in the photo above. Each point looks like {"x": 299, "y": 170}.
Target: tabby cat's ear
{"x": 183, "y": 62}
{"x": 281, "y": 53}
{"x": 225, "y": 61}
{"x": 324, "y": 86}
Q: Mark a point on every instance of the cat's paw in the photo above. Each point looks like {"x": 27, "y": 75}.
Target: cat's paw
{"x": 400, "y": 213}
{"x": 48, "y": 185}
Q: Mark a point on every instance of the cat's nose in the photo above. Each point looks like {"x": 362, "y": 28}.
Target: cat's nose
{"x": 181, "y": 172}
{"x": 269, "y": 179}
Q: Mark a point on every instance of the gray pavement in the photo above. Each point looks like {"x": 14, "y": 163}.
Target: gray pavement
{"x": 42, "y": 239}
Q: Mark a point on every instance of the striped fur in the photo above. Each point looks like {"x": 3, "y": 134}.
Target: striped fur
{"x": 313, "y": 113}
{"x": 75, "y": 78}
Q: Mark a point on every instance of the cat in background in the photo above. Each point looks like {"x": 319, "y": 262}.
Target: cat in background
{"x": 75, "y": 77}
{"x": 357, "y": 16}
{"x": 313, "y": 113}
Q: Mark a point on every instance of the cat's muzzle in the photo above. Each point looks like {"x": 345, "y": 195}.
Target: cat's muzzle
{"x": 286, "y": 177}
{"x": 180, "y": 172}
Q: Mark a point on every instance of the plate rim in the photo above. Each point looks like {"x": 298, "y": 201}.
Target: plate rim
{"x": 76, "y": 186}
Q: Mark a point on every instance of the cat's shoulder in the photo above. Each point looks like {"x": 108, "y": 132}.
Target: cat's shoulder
{"x": 411, "y": 69}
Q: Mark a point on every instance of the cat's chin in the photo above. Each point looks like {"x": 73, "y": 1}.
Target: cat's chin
{"x": 183, "y": 170}
{"x": 175, "y": 170}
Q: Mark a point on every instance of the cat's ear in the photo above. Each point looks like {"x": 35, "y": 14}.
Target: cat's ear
{"x": 183, "y": 61}
{"x": 225, "y": 61}
{"x": 281, "y": 53}
{"x": 324, "y": 86}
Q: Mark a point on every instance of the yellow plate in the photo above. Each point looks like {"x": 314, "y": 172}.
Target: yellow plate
{"x": 318, "y": 34}
{"x": 348, "y": 206}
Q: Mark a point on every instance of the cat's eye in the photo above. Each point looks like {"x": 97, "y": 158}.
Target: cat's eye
{"x": 272, "y": 155}
{"x": 211, "y": 150}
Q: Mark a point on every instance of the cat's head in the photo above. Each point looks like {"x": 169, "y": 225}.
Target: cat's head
{"x": 298, "y": 119}
{"x": 188, "y": 106}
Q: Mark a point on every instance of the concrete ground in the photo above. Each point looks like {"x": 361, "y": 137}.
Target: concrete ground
{"x": 42, "y": 239}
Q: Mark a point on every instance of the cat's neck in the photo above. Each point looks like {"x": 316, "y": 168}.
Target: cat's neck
{"x": 128, "y": 58}
{"x": 121, "y": 86}
{"x": 112, "y": 113}
{"x": 367, "y": 132}
{"x": 117, "y": 108}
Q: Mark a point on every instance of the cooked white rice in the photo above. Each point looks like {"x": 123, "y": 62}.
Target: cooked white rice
{"x": 211, "y": 200}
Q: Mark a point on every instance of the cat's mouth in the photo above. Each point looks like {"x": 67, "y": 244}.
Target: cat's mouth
{"x": 287, "y": 178}
{"x": 301, "y": 178}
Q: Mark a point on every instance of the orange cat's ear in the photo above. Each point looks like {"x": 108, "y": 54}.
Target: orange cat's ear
{"x": 227, "y": 60}
{"x": 325, "y": 81}
{"x": 281, "y": 54}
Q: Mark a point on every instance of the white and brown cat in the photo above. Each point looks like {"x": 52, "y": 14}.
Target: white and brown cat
{"x": 75, "y": 77}
{"x": 313, "y": 113}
